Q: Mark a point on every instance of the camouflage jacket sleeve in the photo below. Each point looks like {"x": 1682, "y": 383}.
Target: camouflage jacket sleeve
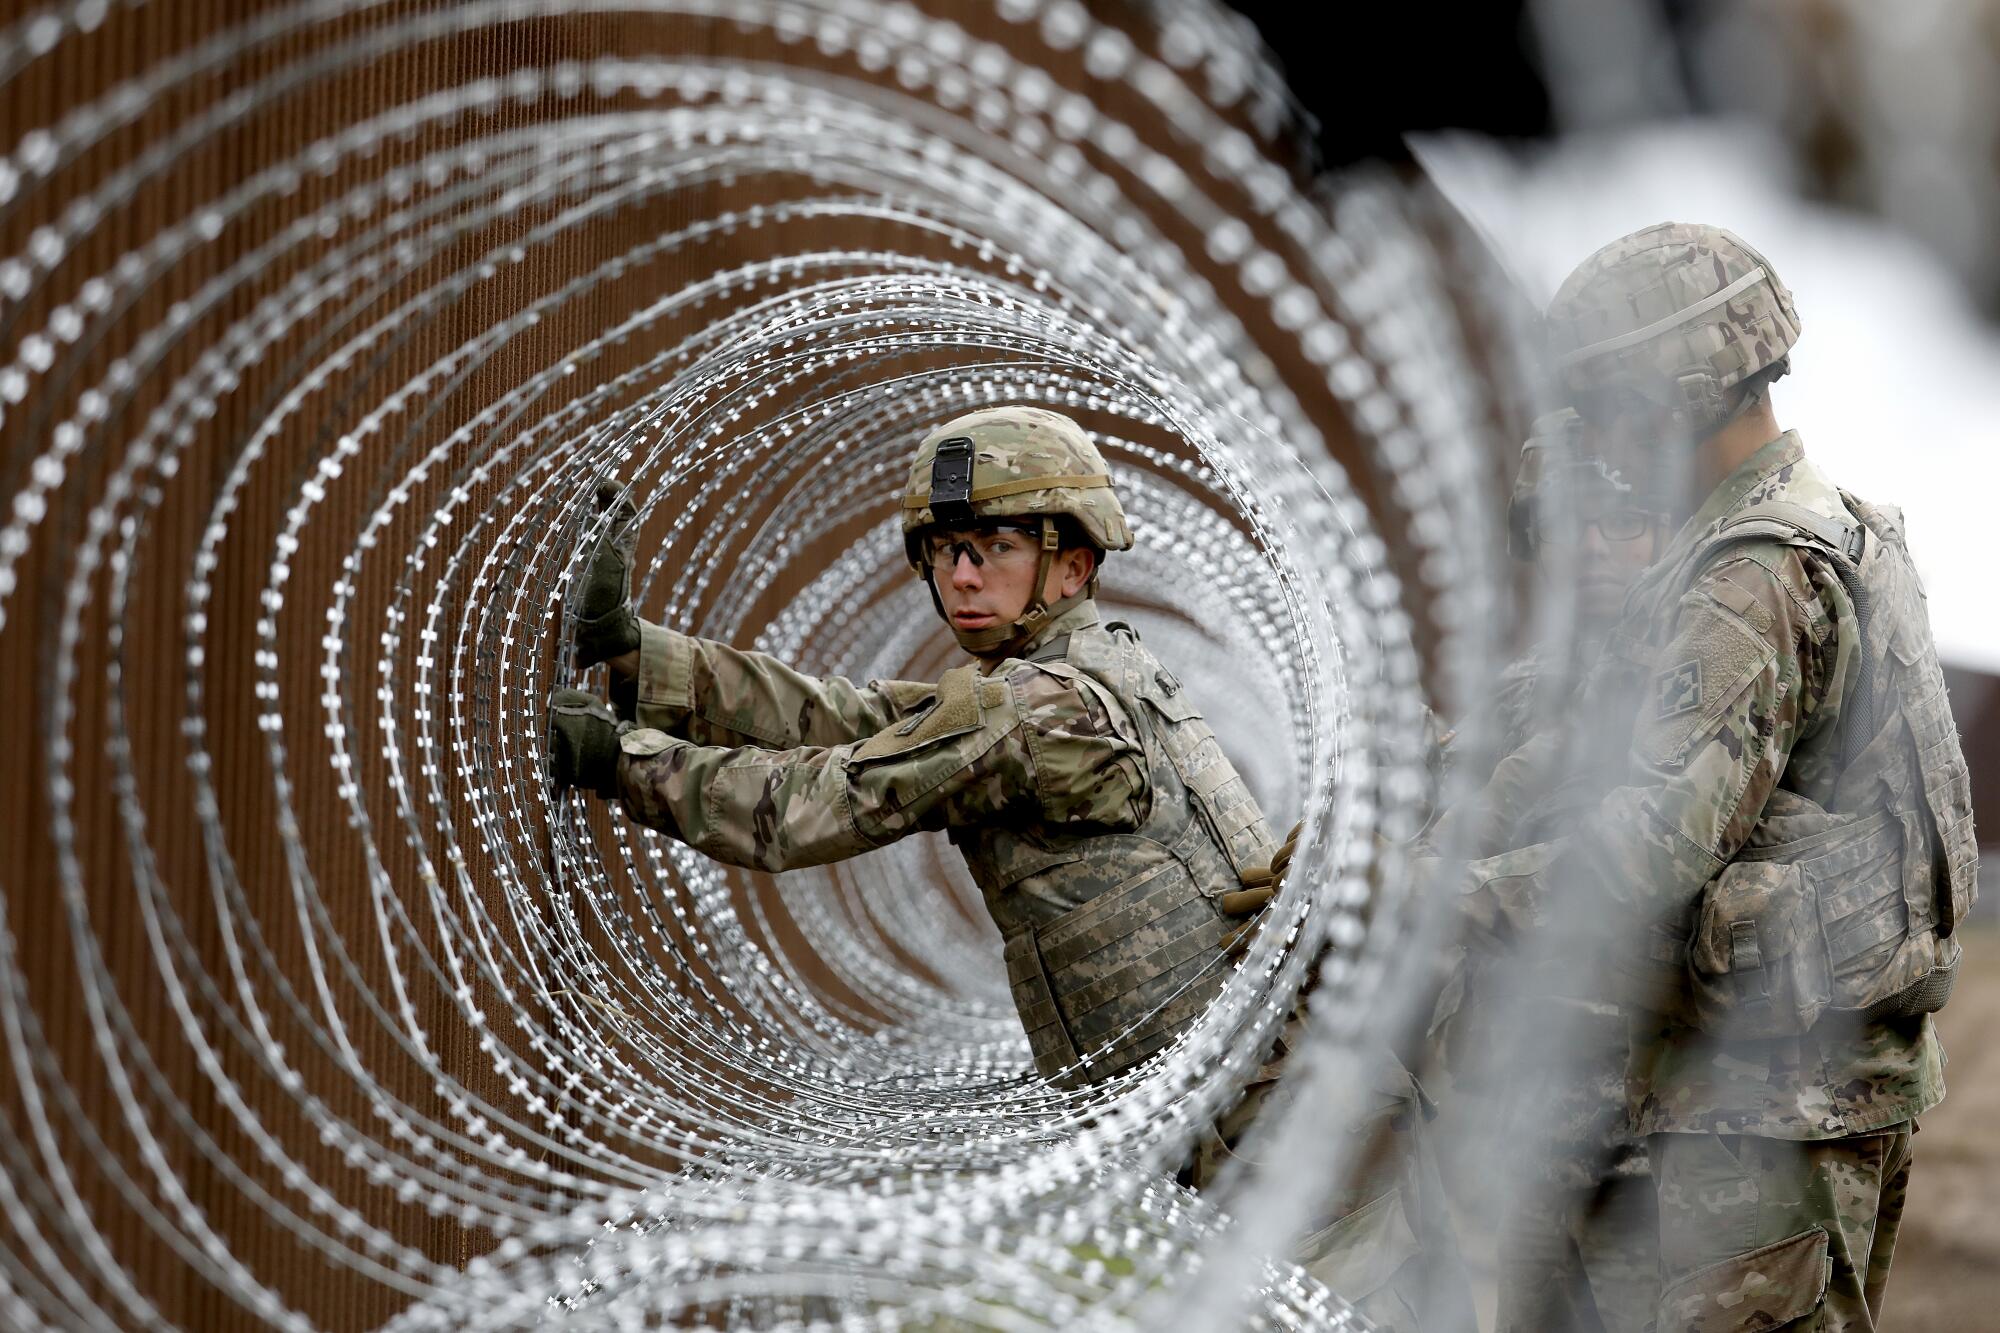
{"x": 1756, "y": 662}
{"x": 712, "y": 694}
{"x": 1029, "y": 747}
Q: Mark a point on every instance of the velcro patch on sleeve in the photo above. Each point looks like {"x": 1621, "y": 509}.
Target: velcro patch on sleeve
{"x": 1714, "y": 657}
{"x": 956, "y": 711}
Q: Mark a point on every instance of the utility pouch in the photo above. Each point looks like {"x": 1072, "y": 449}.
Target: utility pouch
{"x": 1793, "y": 930}
{"x": 1755, "y": 962}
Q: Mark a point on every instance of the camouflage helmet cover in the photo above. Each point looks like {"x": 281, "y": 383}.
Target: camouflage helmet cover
{"x": 1676, "y": 312}
{"x": 1026, "y": 462}
{"x": 1556, "y": 468}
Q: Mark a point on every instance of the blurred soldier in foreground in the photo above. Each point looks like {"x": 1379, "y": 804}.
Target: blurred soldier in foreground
{"x": 1093, "y": 805}
{"x": 1578, "y": 1239}
{"x": 1792, "y": 849}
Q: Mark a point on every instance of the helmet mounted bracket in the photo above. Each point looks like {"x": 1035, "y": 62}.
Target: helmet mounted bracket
{"x": 951, "y": 482}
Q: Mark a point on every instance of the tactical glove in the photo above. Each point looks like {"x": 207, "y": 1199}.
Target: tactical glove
{"x": 606, "y": 625}
{"x": 1260, "y": 885}
{"x": 583, "y": 743}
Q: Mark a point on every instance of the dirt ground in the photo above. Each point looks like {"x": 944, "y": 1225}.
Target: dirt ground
{"x": 1947, "y": 1267}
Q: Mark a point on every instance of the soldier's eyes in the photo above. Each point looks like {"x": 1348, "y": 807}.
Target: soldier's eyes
{"x": 1622, "y": 525}
{"x": 1002, "y": 546}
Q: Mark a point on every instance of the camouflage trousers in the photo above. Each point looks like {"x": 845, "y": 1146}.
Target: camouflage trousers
{"x": 1581, "y": 1261}
{"x": 1382, "y": 1239}
{"x": 1775, "y": 1233}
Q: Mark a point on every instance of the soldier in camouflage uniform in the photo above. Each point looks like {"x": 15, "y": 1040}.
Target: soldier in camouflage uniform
{"x": 1095, "y": 809}
{"x": 1093, "y": 805}
{"x": 1578, "y": 1240}
{"x": 1792, "y": 848}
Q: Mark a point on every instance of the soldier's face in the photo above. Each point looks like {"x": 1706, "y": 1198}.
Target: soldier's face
{"x": 987, "y": 579}
{"x": 1601, "y": 555}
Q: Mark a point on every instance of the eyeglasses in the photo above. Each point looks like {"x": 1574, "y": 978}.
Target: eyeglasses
{"x": 1002, "y": 545}
{"x": 1621, "y": 524}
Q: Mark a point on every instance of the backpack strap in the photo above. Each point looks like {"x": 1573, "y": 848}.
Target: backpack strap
{"x": 1844, "y": 544}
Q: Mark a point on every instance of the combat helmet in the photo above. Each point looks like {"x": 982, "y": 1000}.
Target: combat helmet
{"x": 1556, "y": 469}
{"x": 1678, "y": 314}
{"x": 1025, "y": 464}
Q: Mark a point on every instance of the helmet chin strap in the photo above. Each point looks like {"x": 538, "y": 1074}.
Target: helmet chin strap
{"x": 1000, "y": 641}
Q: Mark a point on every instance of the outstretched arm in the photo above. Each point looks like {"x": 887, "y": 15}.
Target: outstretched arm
{"x": 712, "y": 694}
{"x": 702, "y": 691}
{"x": 1030, "y": 746}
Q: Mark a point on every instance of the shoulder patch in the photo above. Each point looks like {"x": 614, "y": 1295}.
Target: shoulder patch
{"x": 1713, "y": 658}
{"x": 1677, "y": 690}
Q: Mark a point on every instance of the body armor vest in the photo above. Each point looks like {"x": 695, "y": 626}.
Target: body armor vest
{"x": 1114, "y": 940}
{"x": 1844, "y": 904}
